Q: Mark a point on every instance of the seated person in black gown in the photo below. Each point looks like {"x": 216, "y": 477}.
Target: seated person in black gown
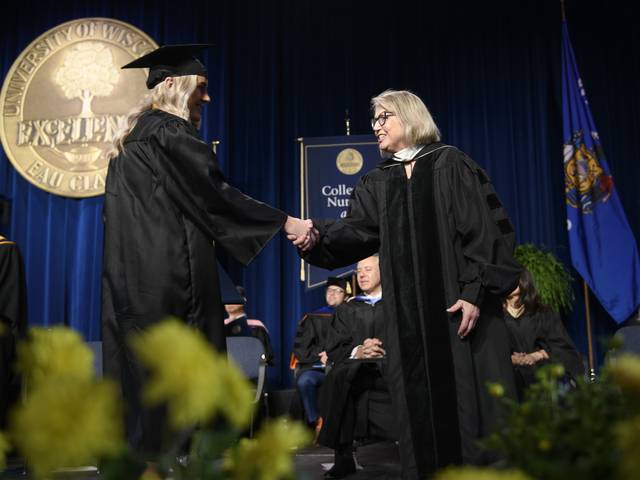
{"x": 355, "y": 402}
{"x": 13, "y": 322}
{"x": 238, "y": 325}
{"x": 537, "y": 336}
{"x": 309, "y": 356}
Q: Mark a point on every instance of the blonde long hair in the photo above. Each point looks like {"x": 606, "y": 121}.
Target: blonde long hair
{"x": 172, "y": 99}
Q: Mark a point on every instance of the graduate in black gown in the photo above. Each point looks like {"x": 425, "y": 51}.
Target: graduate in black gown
{"x": 355, "y": 399}
{"x": 309, "y": 356}
{"x": 13, "y": 322}
{"x": 538, "y": 336}
{"x": 446, "y": 245}
{"x": 167, "y": 209}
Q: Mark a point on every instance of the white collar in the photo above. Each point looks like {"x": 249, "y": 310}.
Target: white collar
{"x": 369, "y": 299}
{"x": 407, "y": 154}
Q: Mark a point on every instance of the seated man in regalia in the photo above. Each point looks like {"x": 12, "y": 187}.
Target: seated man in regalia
{"x": 355, "y": 402}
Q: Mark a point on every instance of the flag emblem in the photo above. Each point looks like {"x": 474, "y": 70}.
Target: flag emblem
{"x": 586, "y": 183}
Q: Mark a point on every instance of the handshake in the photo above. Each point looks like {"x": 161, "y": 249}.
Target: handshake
{"x": 302, "y": 233}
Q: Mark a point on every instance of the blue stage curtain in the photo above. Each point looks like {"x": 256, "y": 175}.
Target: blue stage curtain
{"x": 489, "y": 72}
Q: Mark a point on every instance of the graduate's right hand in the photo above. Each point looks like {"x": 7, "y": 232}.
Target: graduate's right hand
{"x": 302, "y": 233}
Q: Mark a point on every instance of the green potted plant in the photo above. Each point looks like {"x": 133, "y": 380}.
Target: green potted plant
{"x": 552, "y": 279}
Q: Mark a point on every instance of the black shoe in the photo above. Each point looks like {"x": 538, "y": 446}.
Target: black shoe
{"x": 344, "y": 466}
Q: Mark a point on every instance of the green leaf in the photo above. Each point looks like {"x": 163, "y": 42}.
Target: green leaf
{"x": 551, "y": 278}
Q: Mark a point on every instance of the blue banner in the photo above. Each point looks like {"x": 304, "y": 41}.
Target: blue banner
{"x": 330, "y": 169}
{"x": 603, "y": 249}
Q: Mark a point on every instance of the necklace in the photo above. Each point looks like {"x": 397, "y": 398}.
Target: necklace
{"x": 515, "y": 312}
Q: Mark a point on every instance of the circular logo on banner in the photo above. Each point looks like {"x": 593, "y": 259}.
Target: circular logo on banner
{"x": 349, "y": 161}
{"x": 65, "y": 99}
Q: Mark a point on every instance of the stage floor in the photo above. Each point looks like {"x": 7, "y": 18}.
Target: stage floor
{"x": 380, "y": 461}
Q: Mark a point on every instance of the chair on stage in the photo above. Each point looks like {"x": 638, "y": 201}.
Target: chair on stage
{"x": 96, "y": 348}
{"x": 630, "y": 337}
{"x": 249, "y": 355}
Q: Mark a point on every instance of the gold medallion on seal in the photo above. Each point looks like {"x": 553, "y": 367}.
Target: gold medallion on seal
{"x": 349, "y": 161}
{"x": 65, "y": 99}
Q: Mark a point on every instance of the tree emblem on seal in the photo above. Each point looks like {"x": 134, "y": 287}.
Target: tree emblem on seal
{"x": 87, "y": 72}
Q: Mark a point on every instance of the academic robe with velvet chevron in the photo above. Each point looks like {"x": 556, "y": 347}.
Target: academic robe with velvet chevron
{"x": 167, "y": 208}
{"x": 442, "y": 235}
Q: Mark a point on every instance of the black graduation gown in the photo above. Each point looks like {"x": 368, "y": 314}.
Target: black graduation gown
{"x": 167, "y": 207}
{"x": 311, "y": 338}
{"x": 442, "y": 235}
{"x": 542, "y": 330}
{"x": 341, "y": 394}
{"x": 13, "y": 321}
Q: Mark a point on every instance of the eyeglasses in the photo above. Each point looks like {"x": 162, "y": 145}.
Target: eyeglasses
{"x": 381, "y": 119}
{"x": 335, "y": 290}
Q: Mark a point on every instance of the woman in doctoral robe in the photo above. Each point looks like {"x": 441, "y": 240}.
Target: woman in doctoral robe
{"x": 445, "y": 245}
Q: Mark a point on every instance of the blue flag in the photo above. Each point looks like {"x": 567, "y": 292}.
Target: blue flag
{"x": 603, "y": 249}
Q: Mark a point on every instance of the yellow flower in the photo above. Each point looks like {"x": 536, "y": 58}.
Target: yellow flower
{"x": 544, "y": 445}
{"x": 237, "y": 395}
{"x": 69, "y": 423}
{"x": 550, "y": 373}
{"x": 614, "y": 343}
{"x": 187, "y": 374}
{"x": 627, "y": 436}
{"x": 625, "y": 372}
{"x": 4, "y": 448}
{"x": 150, "y": 474}
{"x": 479, "y": 473}
{"x": 495, "y": 389}
{"x": 58, "y": 352}
{"x": 268, "y": 456}
{"x": 557, "y": 370}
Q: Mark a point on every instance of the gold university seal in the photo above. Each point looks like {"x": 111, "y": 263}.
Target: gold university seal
{"x": 65, "y": 99}
{"x": 349, "y": 161}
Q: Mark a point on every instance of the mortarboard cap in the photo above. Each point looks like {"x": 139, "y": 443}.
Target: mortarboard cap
{"x": 228, "y": 291}
{"x": 343, "y": 283}
{"x": 242, "y": 292}
{"x": 171, "y": 61}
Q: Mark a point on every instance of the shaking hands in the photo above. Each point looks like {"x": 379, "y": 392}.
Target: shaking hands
{"x": 302, "y": 233}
